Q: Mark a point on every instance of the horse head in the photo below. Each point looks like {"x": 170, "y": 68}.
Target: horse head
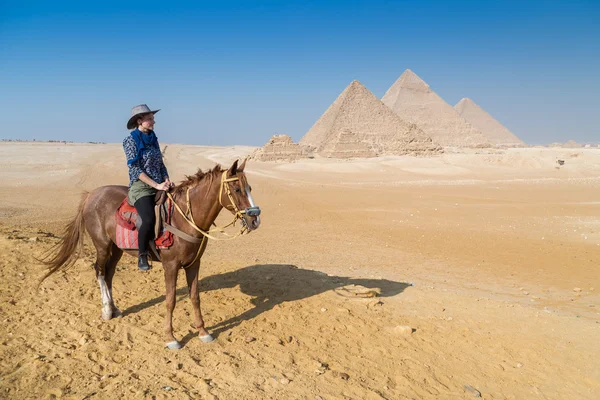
{"x": 236, "y": 196}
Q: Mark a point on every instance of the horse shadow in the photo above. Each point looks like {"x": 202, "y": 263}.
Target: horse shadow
{"x": 272, "y": 284}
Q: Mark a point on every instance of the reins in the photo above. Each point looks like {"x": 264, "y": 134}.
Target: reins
{"x": 224, "y": 186}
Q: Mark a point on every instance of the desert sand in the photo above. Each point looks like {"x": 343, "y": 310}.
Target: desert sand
{"x": 471, "y": 273}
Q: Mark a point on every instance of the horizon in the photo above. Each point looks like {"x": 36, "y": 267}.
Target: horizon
{"x": 237, "y": 74}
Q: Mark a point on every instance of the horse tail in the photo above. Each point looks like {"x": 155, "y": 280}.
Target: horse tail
{"x": 66, "y": 252}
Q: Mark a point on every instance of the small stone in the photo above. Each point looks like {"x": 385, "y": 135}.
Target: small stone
{"x": 577, "y": 289}
{"x": 284, "y": 381}
{"x": 519, "y": 365}
{"x": 449, "y": 319}
{"x": 34, "y": 239}
{"x": 323, "y": 309}
{"x": 370, "y": 293}
{"x": 472, "y": 390}
{"x": 322, "y": 365}
{"x": 250, "y": 339}
{"x": 525, "y": 293}
{"x": 83, "y": 340}
{"x": 167, "y": 388}
{"x": 404, "y": 330}
{"x": 289, "y": 339}
{"x": 317, "y": 397}
{"x": 179, "y": 366}
{"x": 341, "y": 375}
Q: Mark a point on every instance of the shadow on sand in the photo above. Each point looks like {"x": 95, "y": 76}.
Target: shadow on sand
{"x": 273, "y": 284}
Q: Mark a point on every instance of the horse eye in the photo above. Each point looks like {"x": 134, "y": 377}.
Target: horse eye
{"x": 237, "y": 190}
{"x": 250, "y": 188}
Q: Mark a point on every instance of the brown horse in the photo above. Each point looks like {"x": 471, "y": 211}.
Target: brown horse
{"x": 205, "y": 193}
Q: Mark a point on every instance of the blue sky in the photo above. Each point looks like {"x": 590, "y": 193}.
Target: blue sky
{"x": 237, "y": 72}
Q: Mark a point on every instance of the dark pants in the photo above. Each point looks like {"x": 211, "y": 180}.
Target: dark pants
{"x": 145, "y": 209}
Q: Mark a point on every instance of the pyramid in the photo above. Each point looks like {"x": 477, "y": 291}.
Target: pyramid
{"x": 492, "y": 130}
{"x": 358, "y": 124}
{"x": 414, "y": 101}
{"x": 347, "y": 144}
{"x": 571, "y": 144}
{"x": 280, "y": 148}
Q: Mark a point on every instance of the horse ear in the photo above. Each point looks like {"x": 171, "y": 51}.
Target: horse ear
{"x": 234, "y": 168}
{"x": 241, "y": 167}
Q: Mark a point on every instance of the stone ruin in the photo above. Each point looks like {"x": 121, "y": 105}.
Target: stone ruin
{"x": 280, "y": 148}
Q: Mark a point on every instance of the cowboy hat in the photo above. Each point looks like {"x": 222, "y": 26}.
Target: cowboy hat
{"x": 136, "y": 112}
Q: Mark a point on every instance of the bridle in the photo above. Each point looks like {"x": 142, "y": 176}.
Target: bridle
{"x": 238, "y": 214}
{"x": 253, "y": 211}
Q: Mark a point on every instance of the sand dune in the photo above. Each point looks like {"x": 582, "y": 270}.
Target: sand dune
{"x": 478, "y": 251}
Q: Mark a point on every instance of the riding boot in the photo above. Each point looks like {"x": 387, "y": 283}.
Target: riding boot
{"x": 143, "y": 262}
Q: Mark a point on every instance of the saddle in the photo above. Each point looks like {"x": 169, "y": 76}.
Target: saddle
{"x": 129, "y": 222}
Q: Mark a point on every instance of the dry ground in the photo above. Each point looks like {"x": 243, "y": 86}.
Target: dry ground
{"x": 491, "y": 257}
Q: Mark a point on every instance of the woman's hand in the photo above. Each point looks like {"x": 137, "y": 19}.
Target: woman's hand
{"x": 168, "y": 182}
{"x": 162, "y": 186}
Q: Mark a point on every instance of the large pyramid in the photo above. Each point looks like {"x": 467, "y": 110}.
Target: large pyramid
{"x": 414, "y": 101}
{"x": 492, "y": 130}
{"x": 358, "y": 124}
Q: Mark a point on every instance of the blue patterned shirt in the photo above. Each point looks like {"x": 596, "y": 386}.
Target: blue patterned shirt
{"x": 151, "y": 162}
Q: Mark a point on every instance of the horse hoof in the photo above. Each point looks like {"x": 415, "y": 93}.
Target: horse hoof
{"x": 116, "y": 313}
{"x": 107, "y": 315}
{"x": 206, "y": 338}
{"x": 174, "y": 345}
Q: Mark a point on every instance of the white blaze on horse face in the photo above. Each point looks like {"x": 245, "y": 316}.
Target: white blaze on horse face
{"x": 249, "y": 196}
{"x": 251, "y": 200}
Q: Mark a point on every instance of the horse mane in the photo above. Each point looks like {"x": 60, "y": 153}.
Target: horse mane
{"x": 197, "y": 178}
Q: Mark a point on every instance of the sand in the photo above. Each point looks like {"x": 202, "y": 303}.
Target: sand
{"x": 490, "y": 258}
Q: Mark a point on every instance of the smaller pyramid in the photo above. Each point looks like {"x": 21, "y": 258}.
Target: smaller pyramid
{"x": 346, "y": 144}
{"x": 413, "y": 100}
{"x": 571, "y": 144}
{"x": 280, "y": 148}
{"x": 358, "y": 124}
{"x": 492, "y": 130}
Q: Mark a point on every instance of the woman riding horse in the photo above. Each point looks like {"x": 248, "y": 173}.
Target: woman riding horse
{"x": 146, "y": 169}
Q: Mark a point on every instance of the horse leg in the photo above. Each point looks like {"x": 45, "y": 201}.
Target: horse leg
{"x": 191, "y": 275}
{"x": 171, "y": 270}
{"x": 102, "y": 257}
{"x": 111, "y": 268}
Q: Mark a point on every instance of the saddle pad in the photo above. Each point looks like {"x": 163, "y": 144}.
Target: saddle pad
{"x": 127, "y": 233}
